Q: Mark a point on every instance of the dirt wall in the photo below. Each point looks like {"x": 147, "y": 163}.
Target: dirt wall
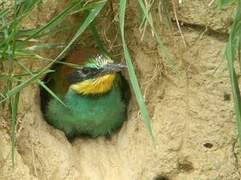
{"x": 191, "y": 110}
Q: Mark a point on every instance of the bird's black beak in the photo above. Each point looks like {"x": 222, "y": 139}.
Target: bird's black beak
{"x": 111, "y": 68}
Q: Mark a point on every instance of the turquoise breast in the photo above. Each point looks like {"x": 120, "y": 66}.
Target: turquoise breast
{"x": 96, "y": 115}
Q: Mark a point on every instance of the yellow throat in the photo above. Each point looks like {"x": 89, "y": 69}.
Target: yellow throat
{"x": 98, "y": 85}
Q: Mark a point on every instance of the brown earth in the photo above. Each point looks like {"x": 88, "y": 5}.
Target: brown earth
{"x": 191, "y": 110}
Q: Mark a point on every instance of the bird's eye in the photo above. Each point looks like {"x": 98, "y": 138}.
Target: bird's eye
{"x": 86, "y": 71}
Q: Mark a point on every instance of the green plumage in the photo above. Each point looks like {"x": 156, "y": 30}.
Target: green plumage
{"x": 93, "y": 115}
{"x": 96, "y": 115}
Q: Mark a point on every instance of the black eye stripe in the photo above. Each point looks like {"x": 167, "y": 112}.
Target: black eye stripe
{"x": 83, "y": 74}
{"x": 75, "y": 77}
{"x": 90, "y": 72}
{"x": 86, "y": 71}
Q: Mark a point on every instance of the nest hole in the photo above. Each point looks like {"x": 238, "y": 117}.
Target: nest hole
{"x": 161, "y": 177}
{"x": 186, "y": 166}
{"x": 208, "y": 145}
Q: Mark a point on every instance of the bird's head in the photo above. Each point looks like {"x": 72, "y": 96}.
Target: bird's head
{"x": 95, "y": 77}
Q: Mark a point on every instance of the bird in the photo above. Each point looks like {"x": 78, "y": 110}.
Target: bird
{"x": 95, "y": 96}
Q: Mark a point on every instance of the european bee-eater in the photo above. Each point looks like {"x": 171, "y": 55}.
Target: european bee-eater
{"x": 95, "y": 95}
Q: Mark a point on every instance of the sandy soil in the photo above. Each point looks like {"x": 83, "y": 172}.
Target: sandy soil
{"x": 191, "y": 111}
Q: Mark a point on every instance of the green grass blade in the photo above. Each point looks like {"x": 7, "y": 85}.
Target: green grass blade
{"x": 133, "y": 78}
{"x": 21, "y": 86}
{"x": 38, "y": 47}
{"x": 5, "y": 76}
{"x": 224, "y": 3}
{"x": 99, "y": 43}
{"x": 28, "y": 5}
{"x": 164, "y": 51}
{"x": 88, "y": 20}
{"x": 92, "y": 15}
{"x": 42, "y": 84}
{"x": 230, "y": 54}
{"x": 14, "y": 108}
{"x": 236, "y": 96}
{"x": 56, "y": 20}
{"x": 3, "y": 12}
